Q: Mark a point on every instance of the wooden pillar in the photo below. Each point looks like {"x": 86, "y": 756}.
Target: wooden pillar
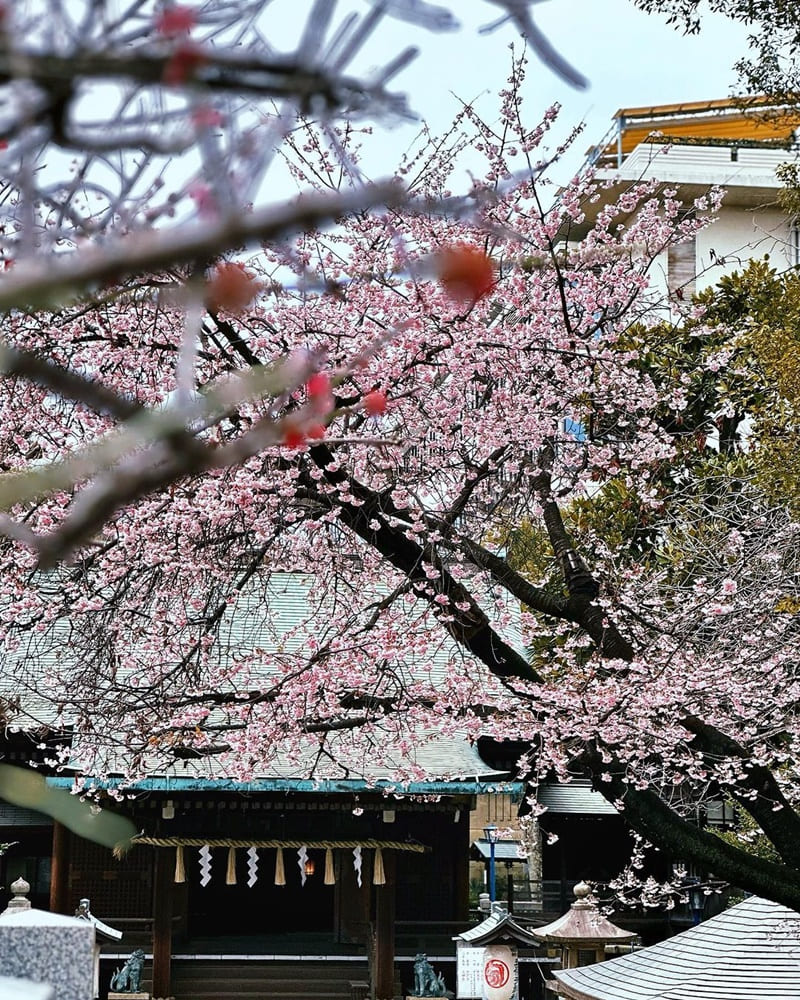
{"x": 461, "y": 845}
{"x": 59, "y": 872}
{"x": 162, "y": 921}
{"x": 383, "y": 967}
{"x": 351, "y": 903}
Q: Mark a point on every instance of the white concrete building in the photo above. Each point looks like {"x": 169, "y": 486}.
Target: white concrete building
{"x": 694, "y": 147}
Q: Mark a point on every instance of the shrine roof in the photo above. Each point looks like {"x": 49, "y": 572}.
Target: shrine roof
{"x": 499, "y": 925}
{"x": 575, "y": 797}
{"x": 582, "y": 924}
{"x": 749, "y": 952}
{"x": 504, "y": 850}
{"x": 445, "y": 765}
{"x": 270, "y": 628}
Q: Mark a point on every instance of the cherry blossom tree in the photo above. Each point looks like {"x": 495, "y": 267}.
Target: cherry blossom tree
{"x": 136, "y": 139}
{"x": 257, "y": 508}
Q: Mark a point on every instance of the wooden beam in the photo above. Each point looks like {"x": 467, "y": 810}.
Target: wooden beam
{"x": 461, "y": 843}
{"x": 383, "y": 968}
{"x": 162, "y": 922}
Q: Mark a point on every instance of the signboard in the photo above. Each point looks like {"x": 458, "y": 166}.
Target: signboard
{"x": 469, "y": 971}
{"x": 488, "y": 973}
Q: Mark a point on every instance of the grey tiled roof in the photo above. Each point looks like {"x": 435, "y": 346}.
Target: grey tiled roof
{"x": 575, "y": 798}
{"x": 504, "y": 850}
{"x": 14, "y": 816}
{"x": 276, "y": 619}
{"x": 450, "y": 759}
{"x": 499, "y": 925}
{"x": 750, "y": 952}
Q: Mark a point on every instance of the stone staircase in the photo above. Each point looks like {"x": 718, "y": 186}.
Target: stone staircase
{"x": 238, "y": 979}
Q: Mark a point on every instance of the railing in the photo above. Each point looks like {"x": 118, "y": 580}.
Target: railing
{"x": 429, "y": 936}
{"x": 136, "y": 930}
{"x": 536, "y": 896}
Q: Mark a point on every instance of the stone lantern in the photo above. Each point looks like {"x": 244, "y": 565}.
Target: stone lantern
{"x": 583, "y": 932}
{"x": 20, "y": 900}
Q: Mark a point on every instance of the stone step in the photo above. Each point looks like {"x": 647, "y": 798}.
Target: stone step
{"x": 258, "y": 979}
{"x": 309, "y": 984}
{"x": 258, "y": 982}
{"x": 243, "y": 989}
{"x": 184, "y": 971}
{"x": 299, "y": 992}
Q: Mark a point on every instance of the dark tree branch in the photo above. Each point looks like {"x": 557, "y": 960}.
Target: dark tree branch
{"x": 536, "y": 598}
{"x": 650, "y": 816}
{"x": 470, "y": 628}
{"x": 66, "y": 383}
{"x": 210, "y": 68}
{"x": 582, "y": 589}
{"x": 769, "y": 808}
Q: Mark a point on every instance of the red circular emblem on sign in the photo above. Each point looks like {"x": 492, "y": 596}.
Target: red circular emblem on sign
{"x": 496, "y": 973}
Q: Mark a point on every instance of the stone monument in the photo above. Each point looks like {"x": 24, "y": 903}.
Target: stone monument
{"x": 55, "y": 953}
{"x": 583, "y": 932}
{"x": 19, "y": 900}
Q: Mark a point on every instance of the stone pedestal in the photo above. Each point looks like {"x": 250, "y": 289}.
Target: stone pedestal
{"x": 128, "y": 996}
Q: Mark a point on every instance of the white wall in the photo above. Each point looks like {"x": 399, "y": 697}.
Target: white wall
{"x": 738, "y": 235}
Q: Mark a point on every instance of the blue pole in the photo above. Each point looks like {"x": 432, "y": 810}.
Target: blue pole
{"x": 491, "y": 871}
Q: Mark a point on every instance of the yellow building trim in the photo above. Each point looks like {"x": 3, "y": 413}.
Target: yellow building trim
{"x": 718, "y": 121}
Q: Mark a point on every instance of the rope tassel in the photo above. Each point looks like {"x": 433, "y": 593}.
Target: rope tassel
{"x": 230, "y": 875}
{"x": 180, "y": 867}
{"x": 330, "y": 877}
{"x": 280, "y": 875}
{"x": 378, "y": 874}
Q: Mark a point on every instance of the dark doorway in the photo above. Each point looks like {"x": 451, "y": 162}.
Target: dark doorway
{"x": 218, "y": 909}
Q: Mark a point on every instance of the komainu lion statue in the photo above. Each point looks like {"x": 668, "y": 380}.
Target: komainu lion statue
{"x": 128, "y": 979}
{"x": 426, "y": 981}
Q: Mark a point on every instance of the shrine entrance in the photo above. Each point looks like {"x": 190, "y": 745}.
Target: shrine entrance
{"x": 275, "y": 898}
{"x": 255, "y": 906}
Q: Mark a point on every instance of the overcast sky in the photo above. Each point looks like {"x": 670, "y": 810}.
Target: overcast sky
{"x": 630, "y": 58}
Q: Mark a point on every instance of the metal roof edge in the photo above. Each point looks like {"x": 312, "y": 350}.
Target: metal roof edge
{"x": 733, "y": 103}
{"x": 325, "y": 786}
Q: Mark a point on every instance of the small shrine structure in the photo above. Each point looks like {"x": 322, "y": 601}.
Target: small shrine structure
{"x": 101, "y": 930}
{"x": 487, "y": 956}
{"x": 582, "y": 933}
